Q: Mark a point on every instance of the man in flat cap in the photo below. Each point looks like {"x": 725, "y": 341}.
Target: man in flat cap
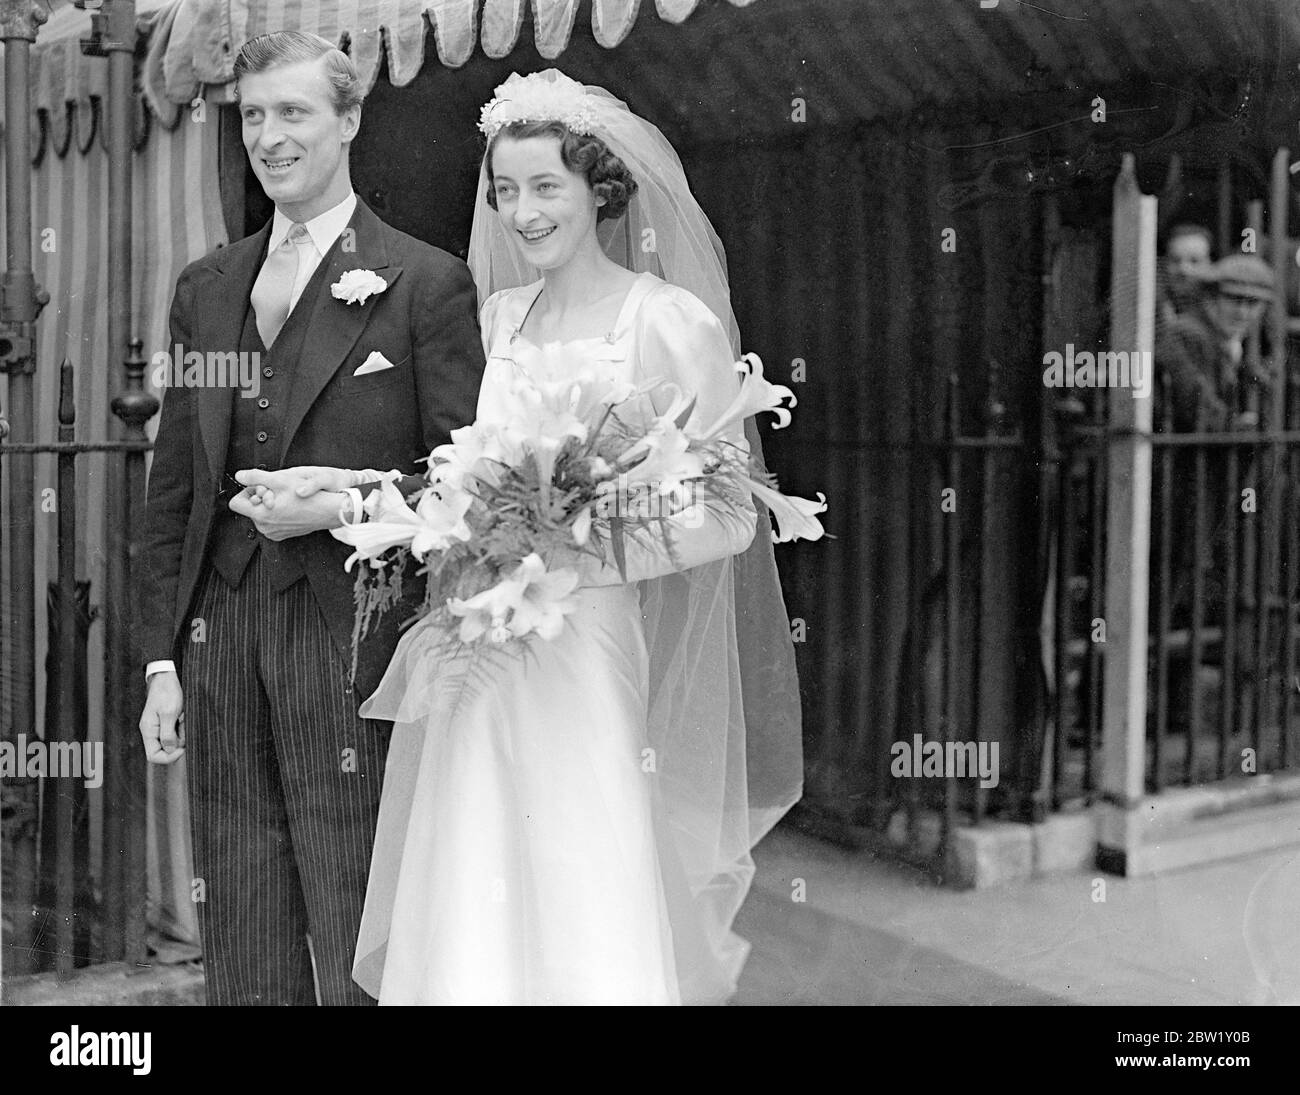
{"x": 1200, "y": 362}
{"x": 1200, "y": 354}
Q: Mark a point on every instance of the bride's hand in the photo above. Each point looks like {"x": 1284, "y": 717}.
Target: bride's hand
{"x": 302, "y": 481}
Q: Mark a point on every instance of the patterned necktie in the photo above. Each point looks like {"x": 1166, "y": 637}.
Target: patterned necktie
{"x": 273, "y": 290}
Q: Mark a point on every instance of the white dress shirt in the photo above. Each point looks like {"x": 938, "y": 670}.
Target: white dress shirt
{"x": 324, "y": 231}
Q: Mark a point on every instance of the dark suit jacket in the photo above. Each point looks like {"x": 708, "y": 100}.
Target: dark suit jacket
{"x": 425, "y": 322}
{"x": 1193, "y": 362}
{"x": 1190, "y": 359}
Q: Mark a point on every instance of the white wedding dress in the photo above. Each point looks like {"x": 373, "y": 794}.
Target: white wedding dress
{"x": 528, "y": 850}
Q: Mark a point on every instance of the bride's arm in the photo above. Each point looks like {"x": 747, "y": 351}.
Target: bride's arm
{"x": 680, "y": 341}
{"x": 702, "y": 533}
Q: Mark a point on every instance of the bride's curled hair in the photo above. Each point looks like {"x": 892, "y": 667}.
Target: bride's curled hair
{"x": 606, "y": 174}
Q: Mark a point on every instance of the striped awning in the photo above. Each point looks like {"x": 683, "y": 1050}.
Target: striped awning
{"x": 68, "y": 87}
{"x": 850, "y": 61}
{"x": 176, "y": 218}
{"x": 192, "y": 45}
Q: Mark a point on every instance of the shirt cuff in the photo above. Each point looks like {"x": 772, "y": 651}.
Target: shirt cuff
{"x": 164, "y": 666}
{"x": 357, "y": 511}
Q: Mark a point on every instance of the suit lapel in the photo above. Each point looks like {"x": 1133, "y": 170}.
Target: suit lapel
{"x": 219, "y": 324}
{"x": 334, "y": 325}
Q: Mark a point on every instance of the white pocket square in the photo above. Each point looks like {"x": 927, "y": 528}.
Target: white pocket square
{"x": 375, "y": 363}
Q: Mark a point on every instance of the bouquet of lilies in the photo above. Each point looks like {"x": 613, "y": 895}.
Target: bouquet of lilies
{"x": 573, "y": 467}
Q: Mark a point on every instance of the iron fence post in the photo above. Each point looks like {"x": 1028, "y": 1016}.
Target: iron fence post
{"x": 66, "y": 730}
{"x": 134, "y": 406}
{"x": 20, "y": 304}
{"x": 114, "y": 35}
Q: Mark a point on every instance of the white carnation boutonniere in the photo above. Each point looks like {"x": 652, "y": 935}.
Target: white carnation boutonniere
{"x": 356, "y": 286}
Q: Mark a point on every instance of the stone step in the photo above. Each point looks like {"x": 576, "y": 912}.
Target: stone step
{"x": 1171, "y": 812}
{"x": 1215, "y": 836}
{"x": 110, "y": 985}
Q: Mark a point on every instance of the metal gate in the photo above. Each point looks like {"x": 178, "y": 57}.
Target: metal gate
{"x": 1104, "y": 671}
{"x": 59, "y": 914}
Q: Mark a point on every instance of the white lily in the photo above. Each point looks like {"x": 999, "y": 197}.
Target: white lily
{"x": 620, "y": 391}
{"x": 529, "y": 600}
{"x": 667, "y": 460}
{"x": 541, "y": 421}
{"x": 544, "y": 601}
{"x": 756, "y": 395}
{"x": 487, "y": 611}
{"x": 392, "y": 523}
{"x": 441, "y": 511}
{"x": 794, "y": 515}
{"x": 679, "y": 404}
{"x": 475, "y": 452}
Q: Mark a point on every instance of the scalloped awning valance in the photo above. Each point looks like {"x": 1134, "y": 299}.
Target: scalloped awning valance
{"x": 192, "y": 45}
{"x": 201, "y": 43}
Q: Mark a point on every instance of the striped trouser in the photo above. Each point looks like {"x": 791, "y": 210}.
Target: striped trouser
{"x": 284, "y": 792}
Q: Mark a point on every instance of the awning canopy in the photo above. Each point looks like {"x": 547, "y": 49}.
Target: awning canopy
{"x": 200, "y": 44}
{"x": 737, "y": 67}
{"x": 67, "y": 86}
{"x": 192, "y": 46}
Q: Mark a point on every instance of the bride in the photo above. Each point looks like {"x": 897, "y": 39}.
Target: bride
{"x": 579, "y": 831}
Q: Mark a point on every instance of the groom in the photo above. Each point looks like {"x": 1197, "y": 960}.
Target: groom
{"x": 245, "y": 611}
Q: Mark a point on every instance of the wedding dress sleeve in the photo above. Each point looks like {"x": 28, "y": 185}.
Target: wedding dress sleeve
{"x": 678, "y": 340}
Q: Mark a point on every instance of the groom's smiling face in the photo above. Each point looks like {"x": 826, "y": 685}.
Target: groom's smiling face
{"x": 296, "y": 140}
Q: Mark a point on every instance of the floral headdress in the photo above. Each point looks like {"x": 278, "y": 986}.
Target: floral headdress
{"x": 542, "y": 97}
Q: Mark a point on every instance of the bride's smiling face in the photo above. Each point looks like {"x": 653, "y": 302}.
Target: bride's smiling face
{"x": 548, "y": 209}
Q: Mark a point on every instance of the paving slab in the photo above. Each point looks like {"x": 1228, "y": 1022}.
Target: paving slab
{"x": 832, "y": 925}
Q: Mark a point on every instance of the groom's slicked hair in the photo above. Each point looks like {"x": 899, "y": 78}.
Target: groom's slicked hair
{"x": 289, "y": 47}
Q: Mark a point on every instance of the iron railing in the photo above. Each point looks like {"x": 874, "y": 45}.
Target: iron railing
{"x": 56, "y": 916}
{"x": 1224, "y": 660}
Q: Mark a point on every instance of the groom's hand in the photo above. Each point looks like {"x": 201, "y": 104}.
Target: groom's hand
{"x": 160, "y": 725}
{"x": 279, "y": 512}
{"x": 302, "y": 481}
